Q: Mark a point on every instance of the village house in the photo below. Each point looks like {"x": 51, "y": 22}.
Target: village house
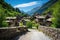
{"x": 40, "y": 19}
{"x": 12, "y": 21}
{"x": 25, "y": 19}
{"x": 48, "y": 22}
{"x": 43, "y": 20}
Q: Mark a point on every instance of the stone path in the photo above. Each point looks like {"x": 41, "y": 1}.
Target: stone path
{"x": 33, "y": 35}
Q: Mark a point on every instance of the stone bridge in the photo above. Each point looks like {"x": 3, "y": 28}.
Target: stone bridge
{"x": 22, "y": 33}
{"x": 52, "y": 32}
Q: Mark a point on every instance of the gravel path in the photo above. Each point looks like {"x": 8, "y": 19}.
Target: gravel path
{"x": 33, "y": 35}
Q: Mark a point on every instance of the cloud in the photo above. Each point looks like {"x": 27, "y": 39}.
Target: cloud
{"x": 26, "y": 4}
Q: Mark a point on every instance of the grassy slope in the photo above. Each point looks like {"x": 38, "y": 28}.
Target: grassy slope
{"x": 7, "y": 9}
{"x": 53, "y": 8}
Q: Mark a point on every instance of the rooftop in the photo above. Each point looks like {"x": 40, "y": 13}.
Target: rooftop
{"x": 40, "y": 16}
{"x": 49, "y": 19}
{"x": 10, "y": 17}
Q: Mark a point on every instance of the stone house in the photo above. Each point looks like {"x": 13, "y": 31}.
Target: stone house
{"x": 43, "y": 20}
{"x": 40, "y": 20}
{"x": 48, "y": 22}
{"x": 12, "y": 21}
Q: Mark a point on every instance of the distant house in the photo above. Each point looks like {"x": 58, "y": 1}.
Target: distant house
{"x": 25, "y": 19}
{"x": 48, "y": 18}
{"x": 40, "y": 19}
{"x": 43, "y": 20}
{"x": 48, "y": 22}
{"x": 12, "y": 21}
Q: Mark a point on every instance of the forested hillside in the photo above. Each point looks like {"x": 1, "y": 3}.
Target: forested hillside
{"x": 55, "y": 11}
{"x": 6, "y": 10}
{"x": 41, "y": 9}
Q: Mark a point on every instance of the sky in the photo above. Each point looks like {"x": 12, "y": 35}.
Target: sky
{"x": 26, "y": 5}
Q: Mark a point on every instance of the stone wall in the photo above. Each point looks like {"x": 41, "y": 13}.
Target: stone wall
{"x": 52, "y": 32}
{"x": 10, "y": 32}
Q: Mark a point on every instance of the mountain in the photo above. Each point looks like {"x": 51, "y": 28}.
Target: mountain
{"x": 7, "y": 9}
{"x": 33, "y": 11}
{"x": 42, "y": 8}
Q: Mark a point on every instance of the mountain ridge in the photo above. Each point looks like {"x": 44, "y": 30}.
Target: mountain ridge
{"x": 42, "y": 8}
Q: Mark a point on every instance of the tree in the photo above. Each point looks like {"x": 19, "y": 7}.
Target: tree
{"x": 2, "y": 20}
{"x": 56, "y": 19}
{"x": 56, "y": 15}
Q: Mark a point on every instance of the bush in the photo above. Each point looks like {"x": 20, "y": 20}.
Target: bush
{"x": 21, "y": 24}
{"x": 29, "y": 24}
{"x": 35, "y": 24}
{"x": 4, "y": 24}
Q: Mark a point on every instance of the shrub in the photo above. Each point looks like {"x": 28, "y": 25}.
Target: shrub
{"x": 29, "y": 24}
{"x": 21, "y": 24}
{"x": 4, "y": 24}
{"x": 35, "y": 24}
